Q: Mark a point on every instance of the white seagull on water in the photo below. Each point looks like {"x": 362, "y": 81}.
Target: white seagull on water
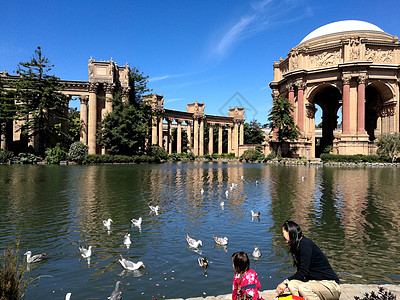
{"x": 130, "y": 265}
{"x": 154, "y": 209}
{"x": 192, "y": 242}
{"x": 127, "y": 240}
{"x": 256, "y": 253}
{"x": 34, "y": 258}
{"x": 85, "y": 252}
{"x": 221, "y": 241}
{"x": 137, "y": 222}
{"x": 107, "y": 223}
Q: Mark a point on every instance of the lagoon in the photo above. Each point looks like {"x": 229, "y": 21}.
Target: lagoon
{"x": 352, "y": 213}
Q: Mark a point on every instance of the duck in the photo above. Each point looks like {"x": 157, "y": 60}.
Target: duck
{"x": 203, "y": 262}
{"x": 116, "y": 293}
{"x": 256, "y": 253}
{"x": 221, "y": 241}
{"x": 192, "y": 242}
{"x": 127, "y": 240}
{"x": 154, "y": 209}
{"x": 34, "y": 258}
{"x": 255, "y": 214}
{"x": 107, "y": 223}
{"x": 130, "y": 265}
{"x": 85, "y": 252}
{"x": 137, "y": 222}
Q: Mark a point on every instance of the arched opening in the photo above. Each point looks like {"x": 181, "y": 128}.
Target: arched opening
{"x": 377, "y": 97}
{"x": 327, "y": 97}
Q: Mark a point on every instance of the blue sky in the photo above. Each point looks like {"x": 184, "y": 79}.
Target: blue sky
{"x": 219, "y": 52}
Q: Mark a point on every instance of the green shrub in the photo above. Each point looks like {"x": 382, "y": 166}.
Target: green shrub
{"x": 78, "y": 151}
{"x": 98, "y": 159}
{"x": 147, "y": 159}
{"x": 357, "y": 158}
{"x": 252, "y": 155}
{"x": 158, "y": 153}
{"x": 389, "y": 145}
{"x": 271, "y": 156}
{"x": 6, "y": 156}
{"x": 123, "y": 159}
{"x": 26, "y": 158}
{"x": 55, "y": 155}
{"x": 231, "y": 155}
{"x": 328, "y": 149}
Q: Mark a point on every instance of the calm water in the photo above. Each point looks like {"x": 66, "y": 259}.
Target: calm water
{"x": 352, "y": 214}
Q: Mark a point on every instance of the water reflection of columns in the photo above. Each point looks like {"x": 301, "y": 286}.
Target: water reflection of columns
{"x": 92, "y": 126}
{"x": 210, "y": 138}
{"x": 179, "y": 136}
{"x": 84, "y": 120}
{"x": 220, "y": 138}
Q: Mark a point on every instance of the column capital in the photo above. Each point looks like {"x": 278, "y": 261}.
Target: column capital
{"x": 125, "y": 91}
{"x": 84, "y": 99}
{"x": 169, "y": 120}
{"x": 93, "y": 87}
{"x": 346, "y": 79}
{"x": 301, "y": 85}
{"x": 109, "y": 88}
{"x": 362, "y": 79}
{"x": 290, "y": 87}
{"x": 188, "y": 122}
{"x": 178, "y": 121}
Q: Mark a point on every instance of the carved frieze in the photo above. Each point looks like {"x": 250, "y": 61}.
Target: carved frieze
{"x": 294, "y": 60}
{"x": 326, "y": 58}
{"x": 387, "y": 111}
{"x": 354, "y": 45}
{"x": 379, "y": 55}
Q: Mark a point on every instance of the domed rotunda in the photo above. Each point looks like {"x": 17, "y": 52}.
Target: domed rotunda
{"x": 351, "y": 71}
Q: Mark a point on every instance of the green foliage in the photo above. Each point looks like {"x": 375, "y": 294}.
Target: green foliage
{"x": 252, "y": 155}
{"x": 253, "y": 133}
{"x": 138, "y": 84}
{"x": 26, "y": 158}
{"x": 328, "y": 149}
{"x": 118, "y": 159}
{"x": 12, "y": 283}
{"x": 40, "y": 103}
{"x": 74, "y": 128}
{"x": 357, "y": 158}
{"x": 271, "y": 156}
{"x": 97, "y": 159}
{"x": 381, "y": 295}
{"x": 157, "y": 152}
{"x": 55, "y": 155}
{"x": 282, "y": 122}
{"x": 6, "y": 156}
{"x": 389, "y": 145}
{"x": 8, "y": 108}
{"x": 181, "y": 156}
{"x": 78, "y": 151}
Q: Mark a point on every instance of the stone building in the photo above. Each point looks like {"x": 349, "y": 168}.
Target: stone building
{"x": 351, "y": 70}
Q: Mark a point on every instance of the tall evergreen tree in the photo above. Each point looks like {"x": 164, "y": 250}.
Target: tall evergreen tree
{"x": 40, "y": 104}
{"x": 125, "y": 130}
{"x": 281, "y": 121}
{"x": 7, "y": 109}
{"x": 253, "y": 133}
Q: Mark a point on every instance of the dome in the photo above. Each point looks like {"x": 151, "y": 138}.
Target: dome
{"x": 342, "y": 27}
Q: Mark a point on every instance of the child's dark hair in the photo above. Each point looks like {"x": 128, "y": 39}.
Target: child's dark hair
{"x": 241, "y": 262}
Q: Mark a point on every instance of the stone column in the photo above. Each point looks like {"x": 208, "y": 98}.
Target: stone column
{"x": 291, "y": 97}
{"x": 109, "y": 88}
{"x": 125, "y": 94}
{"x": 236, "y": 139}
{"x": 3, "y": 143}
{"x": 241, "y": 142}
{"x": 361, "y": 104}
{"x": 211, "y": 138}
{"x": 189, "y": 135}
{"x": 160, "y": 132}
{"x": 179, "y": 136}
{"x": 84, "y": 119}
{"x": 220, "y": 138}
{"x": 92, "y": 126}
{"x": 201, "y": 139}
{"x": 229, "y": 138}
{"x": 154, "y": 128}
{"x": 346, "y": 104}
{"x": 169, "y": 137}
{"x": 300, "y": 106}
{"x": 196, "y": 137}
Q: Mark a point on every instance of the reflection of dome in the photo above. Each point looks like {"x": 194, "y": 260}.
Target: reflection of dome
{"x": 342, "y": 27}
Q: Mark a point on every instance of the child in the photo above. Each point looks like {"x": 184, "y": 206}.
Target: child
{"x": 245, "y": 280}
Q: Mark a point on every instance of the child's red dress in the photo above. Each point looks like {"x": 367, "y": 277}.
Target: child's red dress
{"x": 249, "y": 285}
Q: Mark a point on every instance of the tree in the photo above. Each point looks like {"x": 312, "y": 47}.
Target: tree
{"x": 281, "y": 121}
{"x": 126, "y": 129}
{"x": 253, "y": 133}
{"x": 40, "y": 104}
{"x": 72, "y": 134}
{"x": 7, "y": 110}
{"x": 389, "y": 145}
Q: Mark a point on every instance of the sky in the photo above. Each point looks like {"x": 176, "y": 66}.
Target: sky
{"x": 216, "y": 52}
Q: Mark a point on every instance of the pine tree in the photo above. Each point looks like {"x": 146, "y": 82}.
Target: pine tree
{"x": 40, "y": 104}
{"x": 7, "y": 109}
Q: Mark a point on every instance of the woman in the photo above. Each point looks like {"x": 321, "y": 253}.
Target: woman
{"x": 315, "y": 278}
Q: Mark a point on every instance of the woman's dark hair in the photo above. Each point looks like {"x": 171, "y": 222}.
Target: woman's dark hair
{"x": 295, "y": 235}
{"x": 241, "y": 262}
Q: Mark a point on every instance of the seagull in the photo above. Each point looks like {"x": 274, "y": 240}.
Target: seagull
{"x": 116, "y": 293}
{"x": 303, "y": 178}
{"x": 85, "y": 252}
{"x": 256, "y": 253}
{"x": 192, "y": 242}
{"x": 34, "y": 258}
{"x": 222, "y": 204}
{"x": 242, "y": 177}
{"x": 255, "y": 215}
{"x": 130, "y": 265}
{"x": 68, "y": 296}
{"x": 203, "y": 262}
{"x": 202, "y": 191}
{"x": 107, "y": 223}
{"x": 137, "y": 222}
{"x": 154, "y": 209}
{"x": 256, "y": 182}
{"x": 127, "y": 240}
{"x": 221, "y": 241}
{"x": 226, "y": 193}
